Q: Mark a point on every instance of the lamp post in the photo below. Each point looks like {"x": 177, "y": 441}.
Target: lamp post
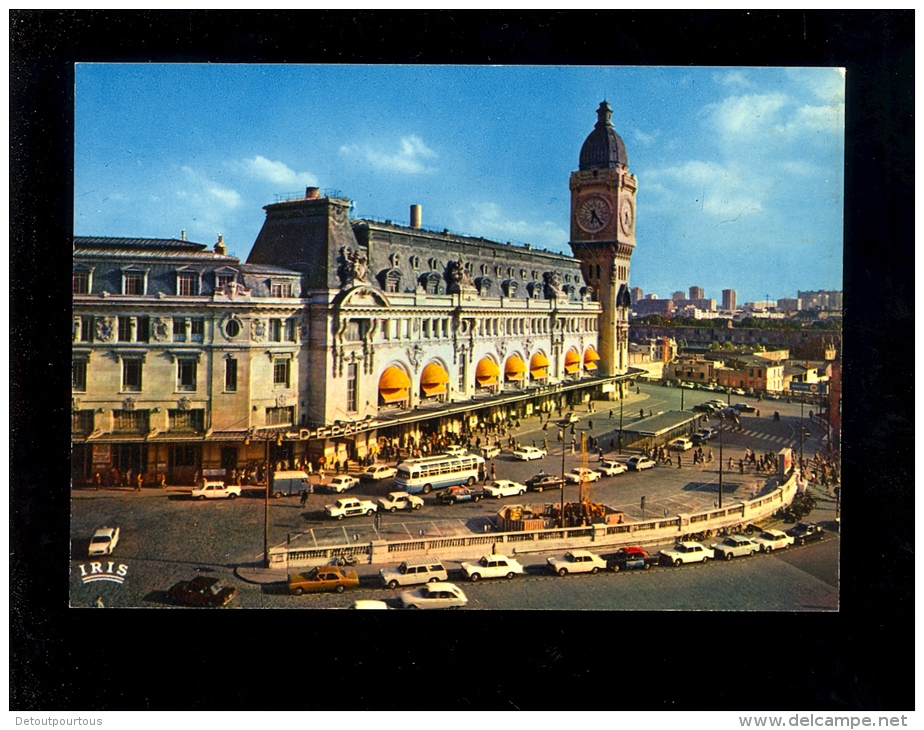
{"x": 622, "y": 396}
{"x": 801, "y": 430}
{"x": 561, "y": 515}
{"x": 721, "y": 455}
{"x": 681, "y": 395}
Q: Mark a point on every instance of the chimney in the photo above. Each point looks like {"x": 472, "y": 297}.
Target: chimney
{"x": 220, "y": 246}
{"x": 311, "y": 193}
{"x": 183, "y": 235}
{"x": 415, "y": 216}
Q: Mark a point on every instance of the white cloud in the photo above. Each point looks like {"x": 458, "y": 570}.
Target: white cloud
{"x": 278, "y": 173}
{"x": 734, "y": 78}
{"x": 645, "y": 139}
{"x": 746, "y": 116}
{"x": 409, "y": 158}
{"x": 205, "y": 191}
{"x": 488, "y": 220}
{"x": 707, "y": 187}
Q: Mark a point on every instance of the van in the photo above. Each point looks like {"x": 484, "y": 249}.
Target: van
{"x": 289, "y": 483}
{"x": 412, "y": 572}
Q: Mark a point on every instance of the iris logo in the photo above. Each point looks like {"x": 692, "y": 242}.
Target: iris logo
{"x": 95, "y": 572}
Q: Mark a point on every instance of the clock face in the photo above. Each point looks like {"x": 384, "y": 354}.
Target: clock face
{"x": 594, "y": 213}
{"x": 626, "y": 216}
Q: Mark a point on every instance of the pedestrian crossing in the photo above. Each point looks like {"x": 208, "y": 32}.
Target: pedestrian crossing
{"x": 782, "y": 440}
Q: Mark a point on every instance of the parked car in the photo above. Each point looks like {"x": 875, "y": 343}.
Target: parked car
{"x": 104, "y": 541}
{"x": 706, "y": 408}
{"x": 770, "y": 540}
{"x": 803, "y": 532}
{"x": 350, "y": 507}
{"x": 703, "y": 435}
{"x": 744, "y": 408}
{"x": 581, "y": 474}
{"x": 609, "y": 468}
{"x": 400, "y": 500}
{"x": 454, "y": 495}
{"x": 201, "y": 591}
{"x": 377, "y": 472}
{"x": 680, "y": 444}
{"x": 340, "y": 484}
{"x": 544, "y": 481}
{"x": 434, "y": 595}
{"x": 504, "y": 488}
{"x": 630, "y": 558}
{"x": 637, "y": 463}
{"x": 490, "y": 451}
{"x": 686, "y": 552}
{"x": 492, "y": 566}
{"x": 412, "y": 572}
{"x": 569, "y": 418}
{"x": 736, "y": 391}
{"x": 323, "y": 579}
{"x": 369, "y": 604}
{"x": 529, "y": 453}
{"x": 576, "y": 561}
{"x": 734, "y": 546}
{"x": 455, "y": 450}
{"x": 215, "y": 490}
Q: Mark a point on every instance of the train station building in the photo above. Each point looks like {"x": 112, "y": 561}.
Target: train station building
{"x": 338, "y": 334}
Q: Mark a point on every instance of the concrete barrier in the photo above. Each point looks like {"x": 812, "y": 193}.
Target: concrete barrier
{"x": 595, "y": 537}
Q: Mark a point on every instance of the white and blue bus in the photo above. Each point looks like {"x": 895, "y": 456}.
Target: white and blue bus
{"x": 436, "y": 472}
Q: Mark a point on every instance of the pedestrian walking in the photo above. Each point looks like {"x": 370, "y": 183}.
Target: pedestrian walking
{"x": 611, "y": 415}
{"x": 590, "y": 425}
{"x": 678, "y": 461}
{"x": 493, "y": 471}
{"x": 99, "y": 602}
{"x": 641, "y": 412}
{"x": 304, "y": 498}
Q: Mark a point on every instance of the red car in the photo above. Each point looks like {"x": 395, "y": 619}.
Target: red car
{"x": 629, "y": 558}
{"x": 201, "y": 591}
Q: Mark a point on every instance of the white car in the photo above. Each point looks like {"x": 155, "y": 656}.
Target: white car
{"x": 378, "y": 472}
{"x": 770, "y": 540}
{"x": 350, "y": 507}
{"x": 611, "y": 468}
{"x": 528, "y": 453}
{"x": 687, "y": 552}
{"x": 341, "y": 484}
{"x": 504, "y": 488}
{"x": 400, "y": 500}
{"x": 369, "y": 604}
{"x": 216, "y": 490}
{"x": 492, "y": 566}
{"x": 434, "y": 595}
{"x": 733, "y": 546}
{"x": 455, "y": 450}
{"x": 576, "y": 476}
{"x": 490, "y": 451}
{"x": 681, "y": 444}
{"x": 104, "y": 541}
{"x": 577, "y": 561}
{"x": 637, "y": 463}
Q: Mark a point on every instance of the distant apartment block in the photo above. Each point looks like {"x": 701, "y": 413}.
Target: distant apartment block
{"x": 696, "y": 292}
{"x": 789, "y": 304}
{"x": 636, "y": 294}
{"x": 822, "y": 299}
{"x": 678, "y": 296}
{"x": 646, "y": 307}
{"x": 729, "y": 300}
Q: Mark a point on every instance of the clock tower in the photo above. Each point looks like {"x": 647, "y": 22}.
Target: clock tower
{"x": 603, "y": 234}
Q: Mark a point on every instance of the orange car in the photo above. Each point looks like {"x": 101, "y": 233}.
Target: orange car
{"x": 319, "y": 580}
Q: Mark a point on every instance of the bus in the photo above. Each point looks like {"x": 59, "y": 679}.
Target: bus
{"x": 436, "y": 472}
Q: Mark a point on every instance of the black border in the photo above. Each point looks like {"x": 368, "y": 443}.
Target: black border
{"x": 142, "y": 660}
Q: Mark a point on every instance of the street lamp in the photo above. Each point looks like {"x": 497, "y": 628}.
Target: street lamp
{"x": 681, "y": 395}
{"x": 561, "y": 515}
{"x": 622, "y": 396}
{"x": 721, "y": 454}
{"x": 269, "y": 483}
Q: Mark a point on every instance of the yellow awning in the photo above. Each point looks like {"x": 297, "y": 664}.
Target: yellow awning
{"x": 486, "y": 379}
{"x": 394, "y": 378}
{"x": 572, "y": 368}
{"x": 487, "y": 368}
{"x": 394, "y": 394}
{"x": 572, "y": 357}
{"x": 588, "y": 365}
{"x": 433, "y": 388}
{"x": 591, "y": 355}
{"x": 538, "y": 361}
{"x": 434, "y": 374}
{"x": 537, "y": 373}
{"x": 514, "y": 368}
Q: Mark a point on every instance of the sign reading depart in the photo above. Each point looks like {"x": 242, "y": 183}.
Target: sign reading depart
{"x": 809, "y": 388}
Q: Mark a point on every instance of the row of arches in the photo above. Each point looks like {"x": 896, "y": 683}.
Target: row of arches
{"x": 395, "y": 383}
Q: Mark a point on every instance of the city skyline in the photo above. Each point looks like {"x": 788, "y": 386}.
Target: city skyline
{"x": 740, "y": 175}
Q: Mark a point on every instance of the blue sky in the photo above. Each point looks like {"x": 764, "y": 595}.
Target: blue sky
{"x": 740, "y": 170}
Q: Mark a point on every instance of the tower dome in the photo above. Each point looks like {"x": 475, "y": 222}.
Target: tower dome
{"x": 603, "y": 147}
